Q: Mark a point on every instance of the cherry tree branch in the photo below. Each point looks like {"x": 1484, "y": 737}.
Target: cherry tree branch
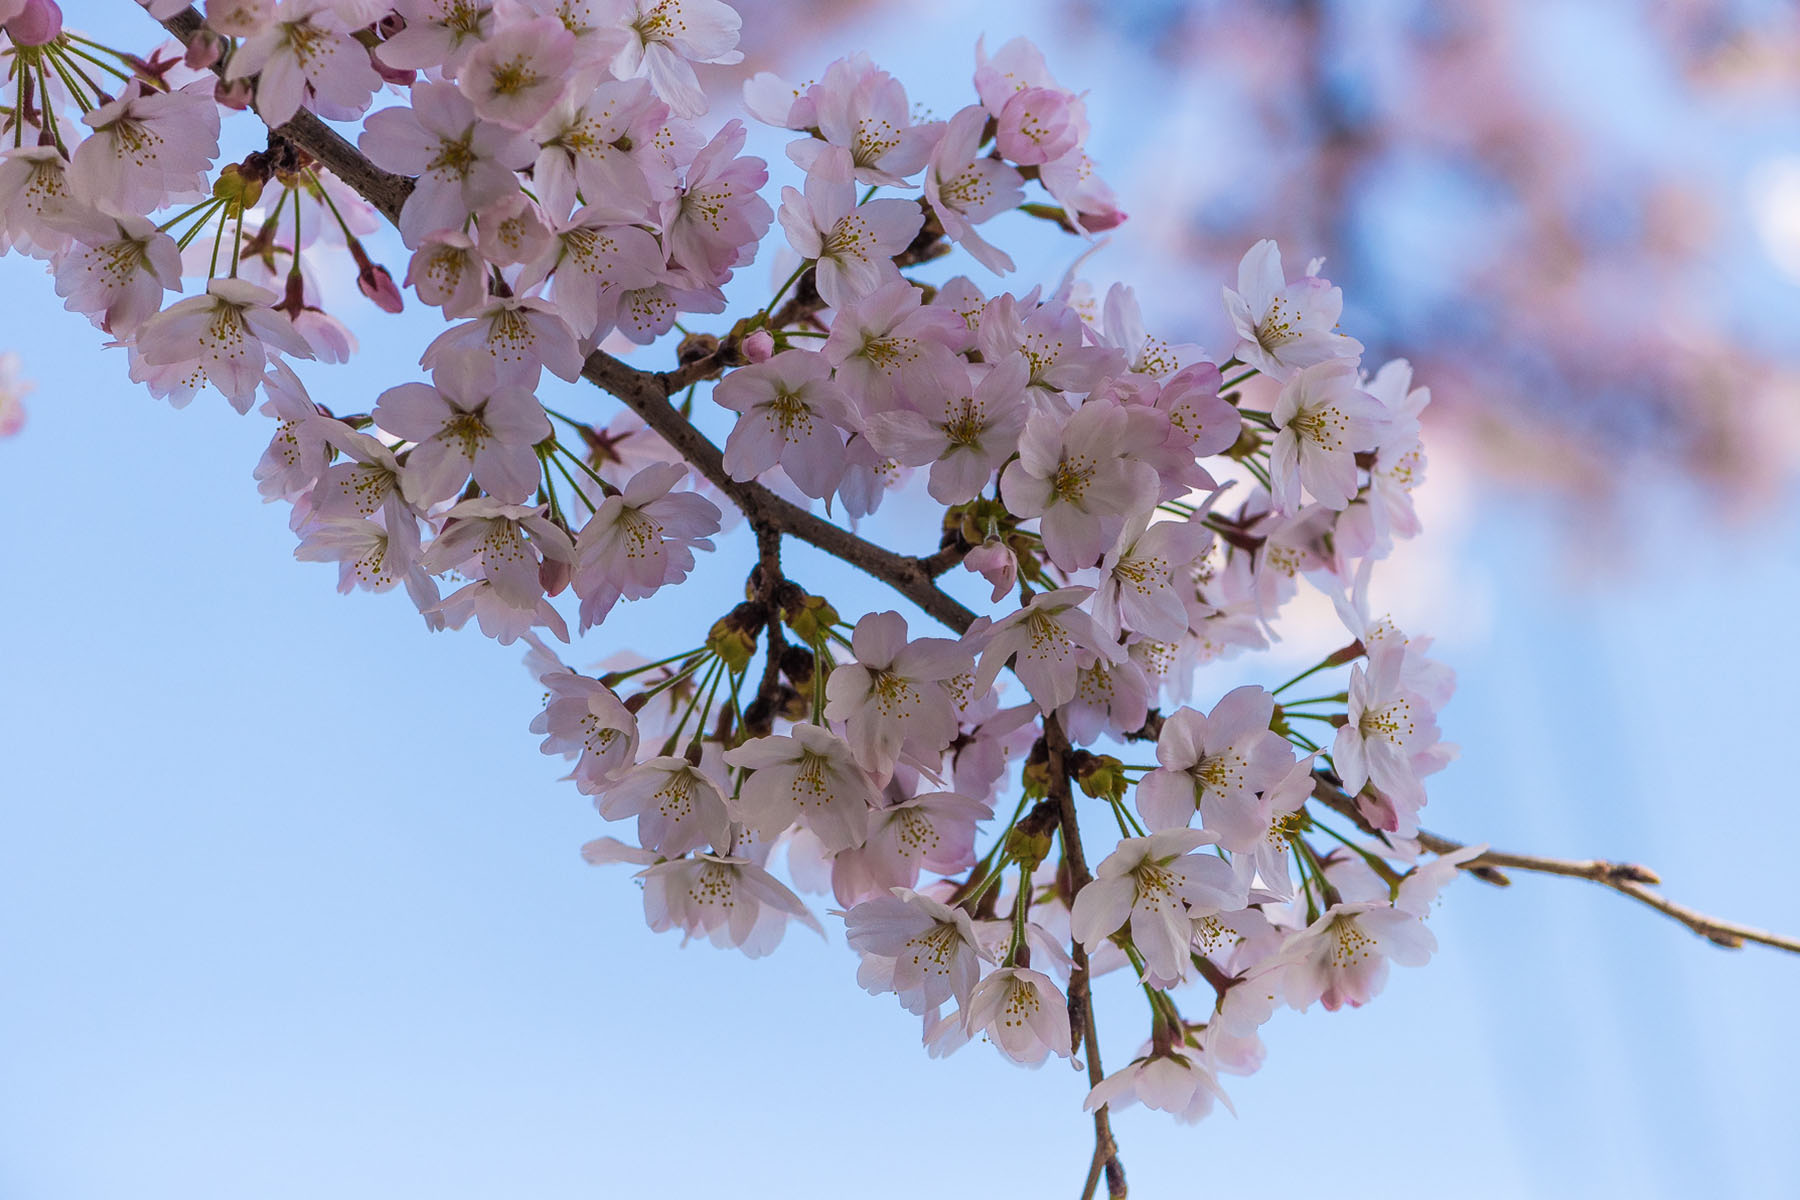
{"x": 1628, "y": 879}
{"x": 646, "y": 393}
{"x": 1081, "y": 1000}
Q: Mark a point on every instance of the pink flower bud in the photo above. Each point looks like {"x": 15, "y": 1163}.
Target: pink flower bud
{"x": 234, "y": 95}
{"x": 1100, "y": 222}
{"x": 759, "y": 347}
{"x": 1037, "y": 126}
{"x": 379, "y": 286}
{"x": 40, "y": 21}
{"x": 203, "y": 51}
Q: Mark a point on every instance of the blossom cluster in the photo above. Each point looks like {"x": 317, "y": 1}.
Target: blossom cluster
{"x": 1130, "y": 517}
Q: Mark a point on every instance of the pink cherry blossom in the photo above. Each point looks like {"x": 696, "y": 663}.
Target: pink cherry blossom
{"x": 1048, "y": 642}
{"x": 522, "y": 335}
{"x": 891, "y": 698}
{"x": 1284, "y": 326}
{"x": 678, "y": 806}
{"x": 583, "y": 719}
{"x": 1160, "y": 887}
{"x": 516, "y": 75}
{"x": 1213, "y": 760}
{"x": 505, "y": 545}
{"x": 1140, "y": 577}
{"x": 227, "y": 336}
{"x": 862, "y": 109}
{"x": 666, "y": 36}
{"x": 809, "y": 776}
{"x": 728, "y": 900}
{"x": 965, "y": 424}
{"x": 714, "y": 223}
{"x": 438, "y": 33}
{"x": 466, "y": 422}
{"x": 446, "y": 271}
{"x": 915, "y": 947}
{"x": 1180, "y": 1082}
{"x": 641, "y": 539}
{"x": 1074, "y": 473}
{"x": 590, "y": 146}
{"x": 1022, "y": 1013}
{"x": 932, "y": 831}
{"x": 462, "y": 163}
{"x": 1324, "y": 420}
{"x": 148, "y": 148}
{"x": 1342, "y": 958}
{"x": 791, "y": 413}
{"x": 116, "y": 270}
{"x": 890, "y": 344}
{"x": 305, "y": 56}
{"x": 965, "y": 188}
{"x": 34, "y": 192}
{"x": 852, "y": 246}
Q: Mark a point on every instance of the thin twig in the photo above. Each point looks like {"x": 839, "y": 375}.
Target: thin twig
{"x": 1628, "y": 879}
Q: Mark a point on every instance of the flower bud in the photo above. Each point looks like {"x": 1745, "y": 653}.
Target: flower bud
{"x": 733, "y": 636}
{"x": 759, "y": 347}
{"x": 235, "y": 95}
{"x": 238, "y": 187}
{"x": 810, "y": 618}
{"x": 375, "y": 283}
{"x": 203, "y": 50}
{"x": 39, "y": 22}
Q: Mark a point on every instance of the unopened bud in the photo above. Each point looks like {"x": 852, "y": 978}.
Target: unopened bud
{"x": 235, "y": 95}
{"x": 1102, "y": 776}
{"x": 811, "y": 618}
{"x": 759, "y": 347}
{"x": 733, "y": 636}
{"x": 375, "y": 283}
{"x": 38, "y": 23}
{"x": 203, "y": 50}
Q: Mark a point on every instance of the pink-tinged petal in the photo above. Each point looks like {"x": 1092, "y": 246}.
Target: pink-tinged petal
{"x": 1165, "y": 799}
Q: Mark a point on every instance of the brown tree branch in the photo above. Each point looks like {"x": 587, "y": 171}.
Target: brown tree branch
{"x": 1081, "y": 1000}
{"x": 646, "y": 393}
{"x": 1628, "y": 879}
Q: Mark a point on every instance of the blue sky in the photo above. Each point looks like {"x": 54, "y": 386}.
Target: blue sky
{"x": 293, "y": 906}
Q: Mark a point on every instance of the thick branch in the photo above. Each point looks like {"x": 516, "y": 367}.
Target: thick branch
{"x": 1628, "y": 879}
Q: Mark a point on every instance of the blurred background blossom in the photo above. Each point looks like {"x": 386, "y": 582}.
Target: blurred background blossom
{"x": 1581, "y": 221}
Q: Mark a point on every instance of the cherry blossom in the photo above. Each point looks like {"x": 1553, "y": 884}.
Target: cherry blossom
{"x": 666, "y": 36}
{"x": 791, "y": 413}
{"x": 852, "y": 245}
{"x": 1213, "y": 761}
{"x": 305, "y": 56}
{"x": 1324, "y": 420}
{"x": 226, "y": 336}
{"x": 1284, "y": 326}
{"x": 1023, "y": 1013}
{"x": 915, "y": 947}
{"x": 641, "y": 539}
{"x": 678, "y": 806}
{"x": 892, "y": 699}
{"x": 466, "y": 422}
{"x": 1159, "y": 887}
{"x": 809, "y": 776}
{"x": 463, "y": 163}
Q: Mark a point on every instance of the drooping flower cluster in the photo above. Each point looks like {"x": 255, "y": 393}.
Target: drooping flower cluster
{"x": 1131, "y": 518}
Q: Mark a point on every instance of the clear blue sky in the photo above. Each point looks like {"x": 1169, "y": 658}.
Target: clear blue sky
{"x": 291, "y": 905}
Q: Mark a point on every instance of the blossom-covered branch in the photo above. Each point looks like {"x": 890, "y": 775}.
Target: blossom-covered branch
{"x": 1140, "y": 510}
